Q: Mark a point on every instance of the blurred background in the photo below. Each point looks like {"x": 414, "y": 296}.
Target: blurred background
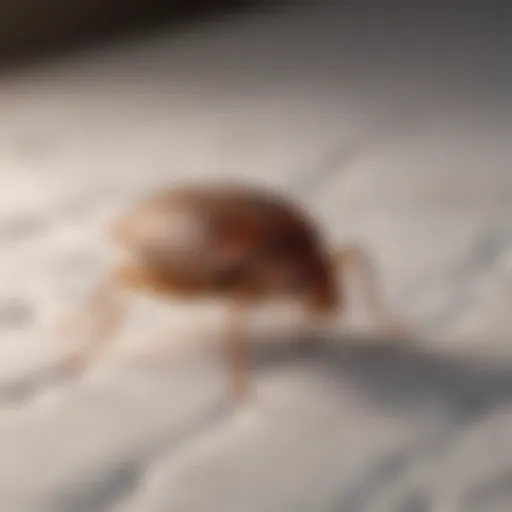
{"x": 391, "y": 122}
{"x": 33, "y": 28}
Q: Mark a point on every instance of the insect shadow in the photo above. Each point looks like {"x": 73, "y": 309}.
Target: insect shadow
{"x": 397, "y": 375}
{"x": 402, "y": 378}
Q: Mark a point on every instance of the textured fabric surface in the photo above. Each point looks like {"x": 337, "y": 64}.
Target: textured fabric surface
{"x": 394, "y": 128}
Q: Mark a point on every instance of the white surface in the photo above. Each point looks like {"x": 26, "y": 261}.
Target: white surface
{"x": 397, "y": 133}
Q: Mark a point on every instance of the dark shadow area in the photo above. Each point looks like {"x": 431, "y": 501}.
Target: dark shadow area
{"x": 405, "y": 378}
{"x": 398, "y": 375}
{"x": 32, "y": 30}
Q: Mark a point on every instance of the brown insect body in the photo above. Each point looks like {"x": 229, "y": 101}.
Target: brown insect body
{"x": 231, "y": 242}
{"x": 245, "y": 243}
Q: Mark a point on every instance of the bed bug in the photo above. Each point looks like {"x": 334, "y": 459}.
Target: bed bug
{"x": 238, "y": 243}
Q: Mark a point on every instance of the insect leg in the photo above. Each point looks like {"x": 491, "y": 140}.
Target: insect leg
{"x": 108, "y": 308}
{"x": 353, "y": 258}
{"x": 237, "y": 353}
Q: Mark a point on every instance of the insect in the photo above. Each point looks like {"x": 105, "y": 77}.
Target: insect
{"x": 237, "y": 243}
